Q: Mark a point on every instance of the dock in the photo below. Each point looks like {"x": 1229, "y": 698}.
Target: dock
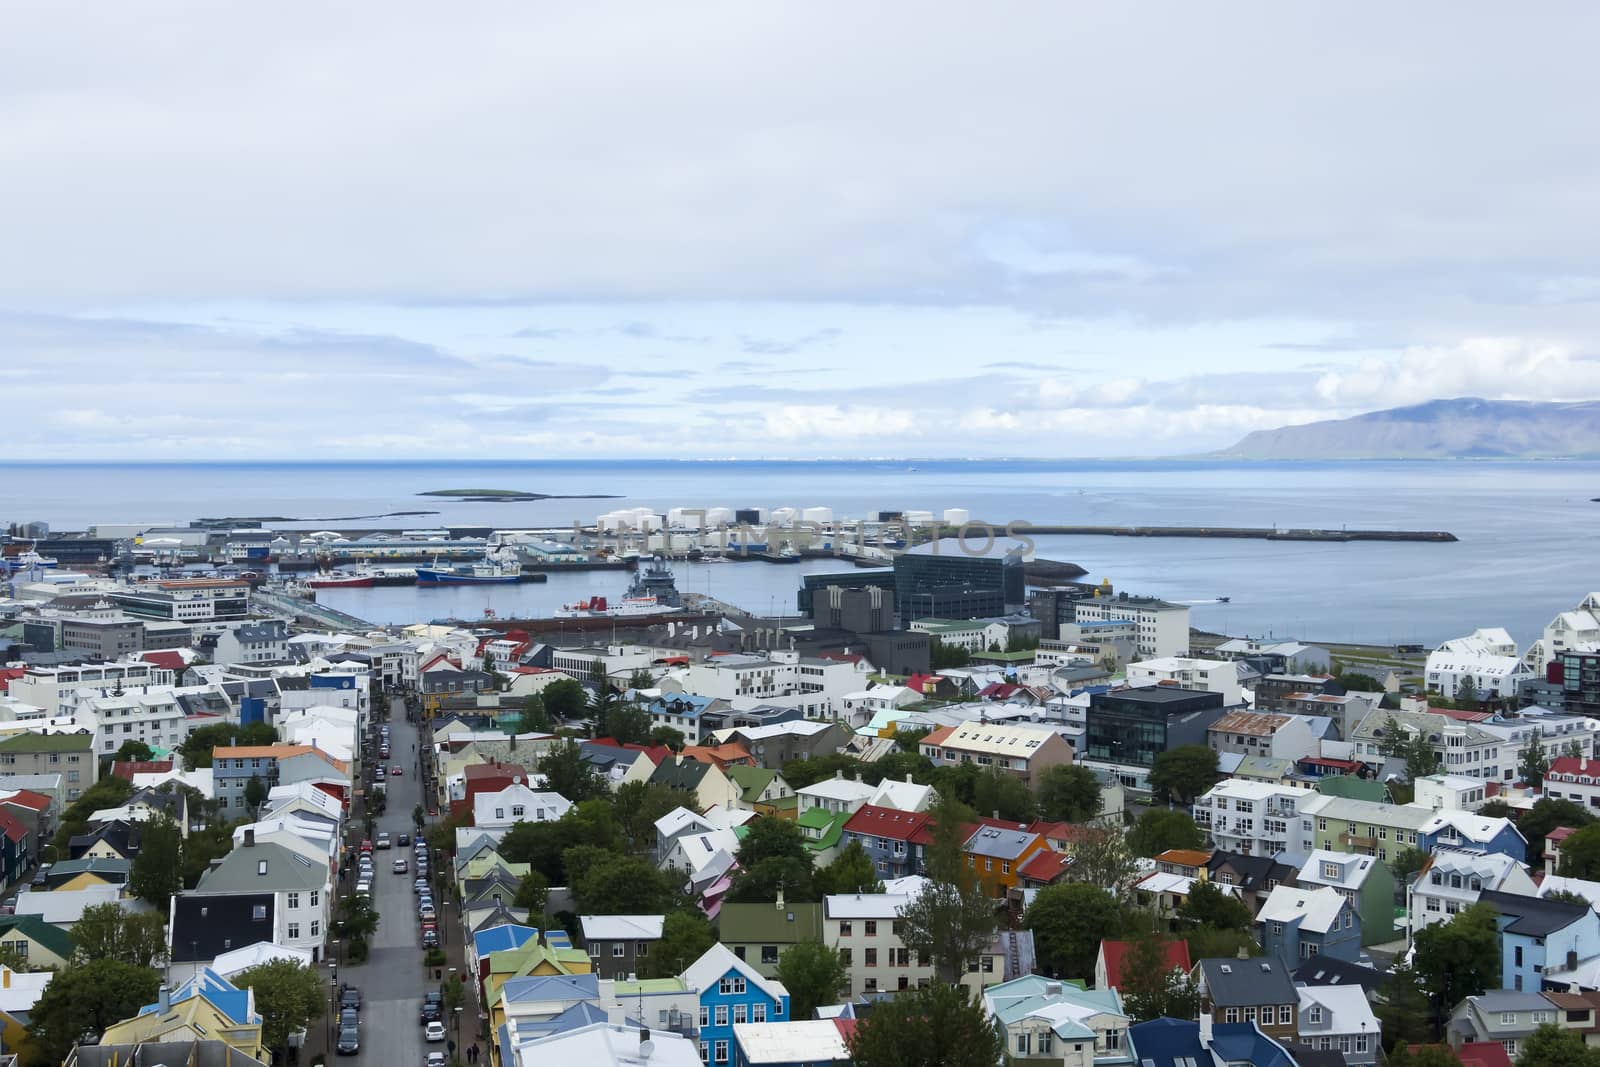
{"x": 319, "y": 614}
{"x": 1253, "y": 533}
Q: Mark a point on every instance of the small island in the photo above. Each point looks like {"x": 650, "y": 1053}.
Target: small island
{"x": 505, "y": 496}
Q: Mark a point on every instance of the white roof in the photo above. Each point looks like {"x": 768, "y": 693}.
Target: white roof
{"x": 1490, "y": 867}
{"x": 718, "y": 961}
{"x": 680, "y": 819}
{"x": 621, "y": 927}
{"x": 21, "y": 990}
{"x": 202, "y": 778}
{"x": 603, "y": 1045}
{"x": 864, "y": 905}
{"x": 1588, "y": 890}
{"x": 796, "y": 727}
{"x": 231, "y": 963}
{"x": 319, "y": 799}
{"x": 811, "y": 1041}
{"x": 1346, "y": 1005}
{"x": 906, "y": 796}
{"x": 65, "y": 906}
{"x": 1247, "y": 790}
{"x": 1470, "y": 826}
{"x": 1010, "y": 739}
{"x": 1315, "y": 908}
{"x": 1353, "y": 869}
{"x": 910, "y": 885}
{"x": 1165, "y": 882}
{"x": 839, "y": 789}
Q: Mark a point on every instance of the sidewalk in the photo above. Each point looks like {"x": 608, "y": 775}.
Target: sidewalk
{"x": 452, "y": 933}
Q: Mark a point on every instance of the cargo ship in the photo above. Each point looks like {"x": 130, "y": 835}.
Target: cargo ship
{"x": 485, "y": 571}
{"x": 652, "y": 592}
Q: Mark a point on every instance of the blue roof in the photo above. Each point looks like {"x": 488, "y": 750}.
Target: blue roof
{"x": 693, "y": 704}
{"x": 557, "y": 939}
{"x": 1244, "y": 1042}
{"x": 1162, "y": 1042}
{"x": 500, "y": 938}
{"x": 583, "y": 1013}
{"x": 229, "y": 999}
{"x": 552, "y": 987}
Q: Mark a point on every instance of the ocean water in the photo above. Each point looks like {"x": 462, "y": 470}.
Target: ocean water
{"x": 1528, "y": 542}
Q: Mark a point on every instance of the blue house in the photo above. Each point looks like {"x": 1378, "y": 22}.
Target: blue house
{"x": 681, "y": 712}
{"x": 731, "y": 992}
{"x": 1538, "y": 935}
{"x": 1303, "y": 924}
{"x": 1463, "y": 829}
{"x": 239, "y": 1005}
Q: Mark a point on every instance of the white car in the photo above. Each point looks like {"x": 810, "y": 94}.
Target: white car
{"x": 434, "y": 1032}
{"x": 364, "y": 888}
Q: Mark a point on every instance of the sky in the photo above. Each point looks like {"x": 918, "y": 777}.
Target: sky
{"x": 707, "y": 230}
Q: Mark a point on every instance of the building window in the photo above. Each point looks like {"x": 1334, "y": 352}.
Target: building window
{"x": 1024, "y": 1047}
{"x": 618, "y": 950}
{"x": 769, "y": 953}
{"x": 316, "y": 928}
{"x": 872, "y": 957}
{"x": 1314, "y": 1015}
{"x": 758, "y": 1013}
{"x": 294, "y": 901}
{"x": 1231, "y": 1015}
{"x": 872, "y": 928}
{"x": 846, "y": 929}
{"x": 1285, "y": 1014}
{"x": 722, "y": 1015}
{"x": 722, "y": 1052}
{"x": 738, "y": 1014}
{"x": 705, "y": 1016}
{"x": 294, "y": 931}
{"x": 261, "y": 868}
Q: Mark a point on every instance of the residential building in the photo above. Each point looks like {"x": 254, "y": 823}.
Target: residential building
{"x": 1023, "y": 751}
{"x": 1465, "y": 829}
{"x": 1250, "y": 733}
{"x": 1125, "y": 729}
{"x": 1280, "y": 657}
{"x": 996, "y": 853}
{"x": 205, "y": 1006}
{"x": 731, "y": 992}
{"x": 1162, "y": 628}
{"x": 1577, "y": 630}
{"x": 1360, "y": 826}
{"x": 1302, "y": 924}
{"x": 705, "y": 783}
{"x": 836, "y": 795}
{"x": 69, "y": 753}
{"x": 35, "y": 942}
{"x": 760, "y": 790}
{"x": 894, "y": 840}
{"x": 681, "y": 712}
{"x": 1463, "y": 748}
{"x": 815, "y": 686}
{"x": 798, "y": 1043}
{"x": 1206, "y": 675}
{"x": 1451, "y": 880}
{"x": 1113, "y": 956}
{"x": 58, "y": 689}
{"x": 1273, "y": 691}
{"x": 1538, "y": 935}
{"x": 1366, "y": 882}
{"x": 1452, "y": 792}
{"x": 1254, "y": 818}
{"x": 619, "y": 944}
{"x": 760, "y": 933}
{"x": 261, "y": 642}
{"x": 202, "y": 928}
{"x": 499, "y": 812}
{"x": 1506, "y": 1017}
{"x": 148, "y": 714}
{"x": 302, "y": 889}
{"x": 232, "y": 767}
{"x": 1575, "y": 779}
{"x": 1335, "y": 1018}
{"x": 1057, "y": 1021}
{"x": 1259, "y": 991}
{"x": 1575, "y": 678}
{"x": 1486, "y": 661}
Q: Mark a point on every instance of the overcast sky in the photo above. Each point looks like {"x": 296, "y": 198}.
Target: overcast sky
{"x": 680, "y": 229}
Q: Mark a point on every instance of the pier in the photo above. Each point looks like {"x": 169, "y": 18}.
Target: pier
{"x": 1254, "y": 533}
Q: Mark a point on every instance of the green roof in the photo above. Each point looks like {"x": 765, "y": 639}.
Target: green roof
{"x": 788, "y": 803}
{"x": 28, "y": 741}
{"x": 34, "y": 928}
{"x": 815, "y": 818}
{"x": 751, "y": 780}
{"x": 769, "y": 924}
{"x": 1350, "y": 787}
{"x": 1025, "y": 656}
{"x": 649, "y": 985}
{"x": 830, "y": 823}
{"x": 93, "y": 865}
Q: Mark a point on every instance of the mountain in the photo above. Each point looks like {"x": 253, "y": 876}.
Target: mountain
{"x": 1440, "y": 429}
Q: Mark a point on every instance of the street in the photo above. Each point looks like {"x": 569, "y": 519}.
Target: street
{"x": 392, "y": 979}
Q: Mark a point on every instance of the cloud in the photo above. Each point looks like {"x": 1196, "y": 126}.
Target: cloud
{"x": 768, "y": 346}
{"x": 1489, "y": 367}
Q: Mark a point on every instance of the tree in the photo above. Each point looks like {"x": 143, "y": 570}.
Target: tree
{"x": 107, "y": 932}
{"x": 358, "y": 921}
{"x": 1207, "y": 905}
{"x": 1003, "y": 795}
{"x": 257, "y": 733}
{"x": 947, "y": 925}
{"x": 255, "y": 794}
{"x": 637, "y": 806}
{"x": 814, "y": 974}
{"x": 1417, "y": 752}
{"x": 1151, "y": 988}
{"x": 157, "y": 871}
{"x": 1425, "y": 1056}
{"x": 535, "y": 719}
{"x": 1356, "y": 682}
{"x": 641, "y": 679}
{"x": 1466, "y": 690}
{"x": 108, "y": 792}
{"x": 685, "y": 937}
{"x": 942, "y": 1025}
{"x": 1567, "y": 896}
{"x": 623, "y": 885}
{"x": 947, "y": 834}
{"x": 761, "y": 883}
{"x": 851, "y": 872}
{"x": 1068, "y": 922}
{"x": 87, "y": 998}
{"x": 418, "y": 817}
{"x": 942, "y": 656}
{"x": 1459, "y": 958}
{"x": 1552, "y": 1046}
{"x": 1404, "y": 1010}
{"x": 1069, "y": 793}
{"x": 1580, "y": 854}
{"x": 800, "y": 773}
{"x": 204, "y": 845}
{"x": 10, "y": 957}
{"x": 565, "y": 699}
{"x": 1100, "y": 857}
{"x": 1407, "y": 862}
{"x": 770, "y": 839}
{"x": 627, "y": 724}
{"x": 1159, "y": 829}
{"x": 1184, "y": 773}
{"x": 1533, "y": 762}
{"x": 196, "y": 747}
{"x": 134, "y": 752}
{"x": 671, "y": 738}
{"x": 289, "y": 995}
{"x": 568, "y": 773}
{"x": 1546, "y": 814}
{"x": 898, "y": 766}
{"x": 532, "y": 893}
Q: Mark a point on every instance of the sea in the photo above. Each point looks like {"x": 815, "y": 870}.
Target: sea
{"x": 1529, "y": 540}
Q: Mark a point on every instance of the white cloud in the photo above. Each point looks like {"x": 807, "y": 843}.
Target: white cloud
{"x": 1497, "y": 368}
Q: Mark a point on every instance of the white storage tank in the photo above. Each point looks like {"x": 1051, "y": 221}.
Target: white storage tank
{"x": 821, "y": 516}
{"x": 919, "y": 518}
{"x": 957, "y": 516}
{"x": 783, "y": 516}
{"x": 719, "y": 516}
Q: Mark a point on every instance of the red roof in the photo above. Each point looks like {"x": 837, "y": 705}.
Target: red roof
{"x": 506, "y": 771}
{"x": 891, "y": 823}
{"x": 937, "y": 737}
{"x": 1350, "y": 766}
{"x": 1045, "y": 865}
{"x": 128, "y": 768}
{"x": 1177, "y": 956}
{"x": 7, "y": 674}
{"x": 1461, "y": 716}
{"x": 1483, "y": 1054}
{"x": 169, "y": 659}
{"x": 535, "y": 670}
{"x": 10, "y": 827}
{"x": 846, "y": 1028}
{"x": 27, "y": 798}
{"x": 1573, "y": 765}
{"x": 998, "y": 690}
{"x": 1560, "y": 833}
{"x": 656, "y": 753}
{"x": 920, "y": 682}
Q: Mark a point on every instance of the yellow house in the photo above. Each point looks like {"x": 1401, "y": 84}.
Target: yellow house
{"x": 86, "y": 873}
{"x": 530, "y": 960}
{"x": 205, "y": 1008}
{"x": 29, "y": 938}
{"x": 19, "y": 992}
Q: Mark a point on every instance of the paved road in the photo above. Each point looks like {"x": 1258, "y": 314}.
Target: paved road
{"x": 392, "y": 980}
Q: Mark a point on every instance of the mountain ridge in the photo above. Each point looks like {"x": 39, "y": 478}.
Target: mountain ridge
{"x": 1456, "y": 428}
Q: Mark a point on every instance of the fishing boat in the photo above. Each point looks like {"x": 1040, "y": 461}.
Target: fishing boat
{"x": 356, "y": 579}
{"x": 485, "y": 571}
{"x": 652, "y": 592}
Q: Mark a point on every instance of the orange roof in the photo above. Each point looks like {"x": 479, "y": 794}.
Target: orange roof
{"x": 27, "y": 798}
{"x": 720, "y": 755}
{"x": 1184, "y": 857}
{"x": 937, "y": 737}
{"x": 1045, "y": 865}
{"x": 273, "y": 752}
{"x": 1177, "y": 958}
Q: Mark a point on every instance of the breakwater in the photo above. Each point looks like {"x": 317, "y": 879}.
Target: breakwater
{"x": 1255, "y": 533}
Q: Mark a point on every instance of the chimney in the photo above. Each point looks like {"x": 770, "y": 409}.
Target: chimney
{"x": 996, "y": 814}
{"x": 838, "y": 774}
{"x": 163, "y": 999}
{"x": 1244, "y": 954}
{"x": 249, "y": 837}
{"x": 779, "y": 903}
{"x": 908, "y": 778}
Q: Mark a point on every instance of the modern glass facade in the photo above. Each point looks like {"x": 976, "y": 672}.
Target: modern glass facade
{"x": 1133, "y": 726}
{"x": 958, "y": 586}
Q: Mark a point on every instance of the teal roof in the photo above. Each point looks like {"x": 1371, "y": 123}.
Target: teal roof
{"x": 1032, "y": 996}
{"x": 34, "y": 928}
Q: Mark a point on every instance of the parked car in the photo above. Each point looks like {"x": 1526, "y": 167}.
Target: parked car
{"x": 349, "y": 1017}
{"x": 400, "y": 866}
{"x": 349, "y": 997}
{"x": 432, "y": 1006}
{"x": 9, "y": 907}
{"x": 435, "y": 1059}
{"x": 366, "y": 846}
{"x": 349, "y": 1040}
{"x": 426, "y": 911}
{"x": 434, "y": 1031}
{"x": 364, "y": 888}
{"x": 42, "y": 873}
{"x": 430, "y": 937}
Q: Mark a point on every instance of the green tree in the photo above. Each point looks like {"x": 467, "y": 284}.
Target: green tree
{"x": 418, "y": 817}
{"x": 1425, "y": 1056}
{"x": 943, "y": 657}
{"x": 627, "y": 724}
{"x": 1151, "y": 988}
{"x": 1580, "y": 854}
{"x": 623, "y": 885}
{"x": 1536, "y": 823}
{"x": 255, "y": 794}
{"x": 1160, "y": 829}
{"x": 1459, "y": 958}
{"x": 850, "y": 872}
{"x": 898, "y": 766}
{"x": 568, "y": 773}
{"x": 1533, "y": 762}
{"x": 1207, "y": 905}
{"x": 1553, "y": 1046}
{"x": 948, "y": 924}
{"x": 800, "y": 773}
{"x": 108, "y": 792}
{"x": 1068, "y": 922}
{"x": 257, "y": 733}
{"x": 196, "y": 747}
{"x": 202, "y": 846}
{"x": 1466, "y": 690}
{"x": 1183, "y": 773}
{"x": 1404, "y": 1009}
{"x": 566, "y": 699}
{"x": 358, "y": 921}
{"x": 666, "y": 735}
{"x": 157, "y": 871}
{"x": 1069, "y": 793}
{"x": 947, "y": 834}
{"x": 772, "y": 838}
{"x": 1355, "y": 682}
{"x": 1407, "y": 862}
{"x": 532, "y": 893}
{"x": 814, "y": 974}
{"x": 942, "y": 1025}
{"x": 107, "y": 932}
{"x": 762, "y": 882}
{"x": 685, "y": 936}
{"x": 535, "y": 719}
{"x": 641, "y": 679}
{"x": 1208, "y": 942}
{"x": 1567, "y": 896}
{"x": 1003, "y": 795}
{"x": 87, "y": 998}
{"x": 1101, "y": 857}
{"x": 638, "y": 805}
{"x": 11, "y": 957}
{"x": 289, "y": 996}
{"x": 134, "y": 752}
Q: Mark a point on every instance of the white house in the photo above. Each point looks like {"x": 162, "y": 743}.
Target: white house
{"x": 1162, "y": 628}
{"x": 1256, "y": 817}
{"x": 151, "y": 715}
{"x": 262, "y": 642}
{"x": 1451, "y": 880}
{"x": 1339, "y": 1019}
{"x": 836, "y": 794}
{"x": 499, "y": 812}
{"x": 1210, "y": 675}
{"x": 1577, "y": 630}
{"x": 1487, "y": 657}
